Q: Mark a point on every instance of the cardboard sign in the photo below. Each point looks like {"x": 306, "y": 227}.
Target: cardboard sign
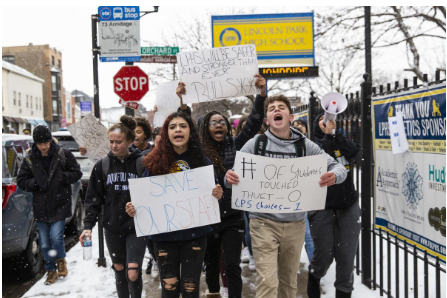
{"x": 167, "y": 102}
{"x": 276, "y": 185}
{"x": 173, "y": 202}
{"x": 218, "y": 73}
{"x": 91, "y": 134}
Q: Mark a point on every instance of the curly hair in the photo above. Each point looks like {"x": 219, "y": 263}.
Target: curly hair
{"x": 210, "y": 145}
{"x": 145, "y": 125}
{"x": 127, "y": 125}
{"x": 163, "y": 157}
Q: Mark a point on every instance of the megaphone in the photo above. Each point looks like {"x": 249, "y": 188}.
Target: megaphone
{"x": 333, "y": 104}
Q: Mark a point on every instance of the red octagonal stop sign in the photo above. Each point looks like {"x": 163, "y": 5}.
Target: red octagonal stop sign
{"x": 130, "y": 83}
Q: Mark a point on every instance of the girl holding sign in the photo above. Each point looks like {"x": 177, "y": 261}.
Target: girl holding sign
{"x": 221, "y": 147}
{"x": 180, "y": 253}
{"x": 109, "y": 187}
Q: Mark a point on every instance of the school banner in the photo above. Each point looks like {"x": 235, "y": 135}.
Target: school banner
{"x": 276, "y": 185}
{"x": 410, "y": 187}
{"x": 220, "y": 73}
{"x": 175, "y": 201}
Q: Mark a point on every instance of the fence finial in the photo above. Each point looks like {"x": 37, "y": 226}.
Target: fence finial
{"x": 366, "y": 77}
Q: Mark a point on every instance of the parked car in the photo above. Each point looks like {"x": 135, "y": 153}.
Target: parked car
{"x": 67, "y": 141}
{"x": 19, "y": 230}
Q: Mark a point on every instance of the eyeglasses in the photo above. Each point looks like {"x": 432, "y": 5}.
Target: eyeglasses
{"x": 221, "y": 122}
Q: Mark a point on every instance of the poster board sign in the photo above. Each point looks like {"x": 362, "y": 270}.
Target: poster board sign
{"x": 410, "y": 187}
{"x": 91, "y": 134}
{"x": 219, "y": 73}
{"x": 167, "y": 102}
{"x": 275, "y": 185}
{"x": 175, "y": 201}
{"x": 399, "y": 141}
{"x": 283, "y": 38}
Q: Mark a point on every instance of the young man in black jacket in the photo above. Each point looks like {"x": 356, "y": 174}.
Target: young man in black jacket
{"x": 48, "y": 172}
{"x": 335, "y": 230}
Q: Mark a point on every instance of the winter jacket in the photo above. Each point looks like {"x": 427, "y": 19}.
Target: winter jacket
{"x": 49, "y": 182}
{"x": 182, "y": 164}
{"x": 113, "y": 193}
{"x": 145, "y": 151}
{"x": 340, "y": 196}
{"x": 285, "y": 148}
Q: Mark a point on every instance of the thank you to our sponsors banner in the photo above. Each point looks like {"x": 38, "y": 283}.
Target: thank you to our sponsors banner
{"x": 274, "y": 185}
{"x": 173, "y": 202}
{"x": 218, "y": 73}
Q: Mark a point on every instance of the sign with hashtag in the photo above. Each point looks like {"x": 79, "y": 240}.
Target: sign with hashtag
{"x": 219, "y": 73}
{"x": 276, "y": 185}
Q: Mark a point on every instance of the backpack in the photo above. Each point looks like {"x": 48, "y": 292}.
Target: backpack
{"x": 261, "y": 146}
{"x": 62, "y": 158}
{"x": 106, "y": 165}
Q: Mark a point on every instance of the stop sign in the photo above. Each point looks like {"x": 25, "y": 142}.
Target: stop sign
{"x": 130, "y": 83}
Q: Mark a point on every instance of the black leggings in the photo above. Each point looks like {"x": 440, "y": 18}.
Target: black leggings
{"x": 182, "y": 261}
{"x": 124, "y": 249}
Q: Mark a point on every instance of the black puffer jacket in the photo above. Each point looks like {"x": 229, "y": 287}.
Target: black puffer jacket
{"x": 50, "y": 183}
{"x": 343, "y": 195}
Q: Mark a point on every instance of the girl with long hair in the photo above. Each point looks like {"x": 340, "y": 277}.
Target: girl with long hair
{"x": 180, "y": 253}
{"x": 109, "y": 187}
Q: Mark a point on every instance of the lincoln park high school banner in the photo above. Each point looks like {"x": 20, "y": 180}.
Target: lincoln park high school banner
{"x": 410, "y": 186}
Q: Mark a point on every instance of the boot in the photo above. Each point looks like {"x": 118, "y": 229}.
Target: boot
{"x": 340, "y": 294}
{"x": 313, "y": 286}
{"x": 51, "y": 277}
{"x": 212, "y": 295}
{"x": 62, "y": 270}
{"x": 149, "y": 266}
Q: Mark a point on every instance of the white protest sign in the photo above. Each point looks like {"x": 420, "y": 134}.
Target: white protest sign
{"x": 173, "y": 202}
{"x": 167, "y": 102}
{"x": 91, "y": 134}
{"x": 276, "y": 185}
{"x": 399, "y": 141}
{"x": 218, "y": 73}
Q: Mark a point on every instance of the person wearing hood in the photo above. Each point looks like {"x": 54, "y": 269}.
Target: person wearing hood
{"x": 48, "y": 172}
{"x": 220, "y": 147}
{"x": 335, "y": 230}
{"x": 277, "y": 238}
{"x": 109, "y": 187}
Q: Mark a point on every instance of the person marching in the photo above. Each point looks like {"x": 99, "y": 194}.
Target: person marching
{"x": 335, "y": 230}
{"x": 277, "y": 238}
{"x": 180, "y": 253}
{"x": 221, "y": 147}
{"x": 109, "y": 186}
{"x": 48, "y": 172}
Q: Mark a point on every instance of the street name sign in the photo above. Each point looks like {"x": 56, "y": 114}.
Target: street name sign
{"x": 119, "y": 33}
{"x": 131, "y": 83}
{"x": 162, "y": 51}
{"x": 158, "y": 59}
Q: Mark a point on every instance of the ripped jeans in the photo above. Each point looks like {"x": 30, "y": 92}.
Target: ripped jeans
{"x": 180, "y": 266}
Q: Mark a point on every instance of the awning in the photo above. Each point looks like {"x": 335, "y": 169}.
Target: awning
{"x": 8, "y": 119}
{"x": 19, "y": 120}
{"x": 39, "y": 121}
{"x": 32, "y": 121}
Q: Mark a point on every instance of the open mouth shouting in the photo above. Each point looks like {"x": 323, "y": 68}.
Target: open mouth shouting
{"x": 277, "y": 119}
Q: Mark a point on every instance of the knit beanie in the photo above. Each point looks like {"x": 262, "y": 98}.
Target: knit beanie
{"x": 41, "y": 134}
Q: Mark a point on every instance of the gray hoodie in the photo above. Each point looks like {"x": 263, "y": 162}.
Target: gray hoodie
{"x": 281, "y": 148}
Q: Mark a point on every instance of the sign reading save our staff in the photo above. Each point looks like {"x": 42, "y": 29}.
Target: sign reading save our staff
{"x": 286, "y": 38}
{"x": 173, "y": 202}
{"x": 273, "y": 185}
{"x": 219, "y": 73}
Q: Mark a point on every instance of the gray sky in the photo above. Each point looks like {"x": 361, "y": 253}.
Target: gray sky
{"x": 68, "y": 29}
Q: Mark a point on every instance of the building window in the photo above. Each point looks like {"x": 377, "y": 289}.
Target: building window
{"x": 27, "y": 101}
{"x": 15, "y": 98}
{"x": 31, "y": 101}
{"x": 53, "y": 83}
{"x": 59, "y": 64}
{"x": 20, "y": 99}
{"x": 52, "y": 60}
{"x": 55, "y": 109}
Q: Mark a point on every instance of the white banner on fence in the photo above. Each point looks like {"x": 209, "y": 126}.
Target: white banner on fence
{"x": 275, "y": 185}
{"x": 167, "y": 102}
{"x": 397, "y": 134}
{"x": 91, "y": 134}
{"x": 173, "y": 202}
{"x": 218, "y": 73}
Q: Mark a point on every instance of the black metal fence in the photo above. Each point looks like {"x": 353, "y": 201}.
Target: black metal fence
{"x": 379, "y": 253}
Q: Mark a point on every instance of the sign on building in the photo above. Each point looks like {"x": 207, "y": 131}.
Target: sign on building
{"x": 289, "y": 72}
{"x": 119, "y": 33}
{"x": 86, "y": 108}
{"x": 286, "y": 38}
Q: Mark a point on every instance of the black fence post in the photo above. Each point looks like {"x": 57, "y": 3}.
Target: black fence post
{"x": 366, "y": 183}
{"x": 312, "y": 113}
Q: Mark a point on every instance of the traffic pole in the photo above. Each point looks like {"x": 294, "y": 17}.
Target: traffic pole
{"x": 129, "y": 111}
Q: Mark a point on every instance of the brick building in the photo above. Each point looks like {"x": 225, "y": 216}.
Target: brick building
{"x": 46, "y": 63}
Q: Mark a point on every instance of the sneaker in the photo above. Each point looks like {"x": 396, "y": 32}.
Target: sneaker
{"x": 149, "y": 266}
{"x": 155, "y": 272}
{"x": 51, "y": 277}
{"x": 245, "y": 256}
{"x": 62, "y": 270}
{"x": 224, "y": 292}
{"x": 251, "y": 264}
